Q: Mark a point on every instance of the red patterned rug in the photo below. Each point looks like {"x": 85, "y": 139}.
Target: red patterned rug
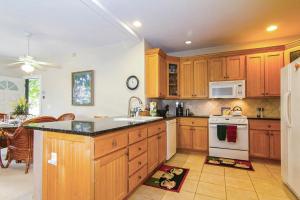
{"x": 228, "y": 162}
{"x": 168, "y": 178}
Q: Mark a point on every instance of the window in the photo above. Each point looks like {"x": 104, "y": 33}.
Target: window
{"x": 33, "y": 95}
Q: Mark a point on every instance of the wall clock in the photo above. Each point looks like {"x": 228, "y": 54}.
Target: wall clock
{"x": 132, "y": 82}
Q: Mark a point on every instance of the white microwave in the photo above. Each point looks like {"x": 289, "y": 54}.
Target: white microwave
{"x": 227, "y": 89}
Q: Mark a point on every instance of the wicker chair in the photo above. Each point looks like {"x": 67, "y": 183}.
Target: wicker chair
{"x": 66, "y": 117}
{"x": 20, "y": 143}
{"x": 2, "y": 116}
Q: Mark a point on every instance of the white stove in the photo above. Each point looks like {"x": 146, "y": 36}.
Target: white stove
{"x": 235, "y": 150}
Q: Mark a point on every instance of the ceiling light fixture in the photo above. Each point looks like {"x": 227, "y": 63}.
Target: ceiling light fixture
{"x": 272, "y": 28}
{"x": 27, "y": 68}
{"x": 137, "y": 24}
{"x": 188, "y": 42}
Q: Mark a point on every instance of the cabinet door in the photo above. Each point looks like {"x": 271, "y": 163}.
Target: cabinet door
{"x": 275, "y": 149}
{"x": 185, "y": 137}
{"x": 259, "y": 143}
{"x": 273, "y": 64}
{"x": 162, "y": 147}
{"x": 152, "y": 153}
{"x": 255, "y": 75}
{"x": 109, "y": 170}
{"x": 186, "y": 79}
{"x": 217, "y": 69}
{"x": 200, "y": 79}
{"x": 235, "y": 68}
{"x": 200, "y": 139}
{"x": 162, "y": 86}
{"x": 151, "y": 75}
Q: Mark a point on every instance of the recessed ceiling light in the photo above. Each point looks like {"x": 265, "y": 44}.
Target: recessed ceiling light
{"x": 188, "y": 42}
{"x": 137, "y": 24}
{"x": 272, "y": 28}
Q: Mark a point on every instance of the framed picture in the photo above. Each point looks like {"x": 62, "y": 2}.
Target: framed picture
{"x": 83, "y": 88}
{"x": 294, "y": 55}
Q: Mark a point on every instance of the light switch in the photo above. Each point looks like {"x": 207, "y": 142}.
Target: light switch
{"x": 53, "y": 159}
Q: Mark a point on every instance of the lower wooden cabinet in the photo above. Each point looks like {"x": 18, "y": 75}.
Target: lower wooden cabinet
{"x": 185, "y": 137}
{"x": 193, "y": 134}
{"x": 111, "y": 176}
{"x": 162, "y": 147}
{"x": 152, "y": 153}
{"x": 265, "y": 139}
{"x": 200, "y": 140}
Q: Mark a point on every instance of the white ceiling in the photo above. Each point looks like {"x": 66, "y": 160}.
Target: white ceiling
{"x": 207, "y": 23}
{"x": 62, "y": 27}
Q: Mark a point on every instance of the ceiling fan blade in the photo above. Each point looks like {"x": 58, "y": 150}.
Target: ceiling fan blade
{"x": 15, "y": 63}
{"x": 47, "y": 64}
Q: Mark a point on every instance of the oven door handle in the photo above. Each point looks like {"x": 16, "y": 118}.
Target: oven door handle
{"x": 238, "y": 126}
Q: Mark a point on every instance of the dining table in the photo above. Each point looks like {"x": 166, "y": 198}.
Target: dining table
{"x": 4, "y": 128}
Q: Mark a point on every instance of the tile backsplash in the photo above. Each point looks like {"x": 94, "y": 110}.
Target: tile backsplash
{"x": 213, "y": 107}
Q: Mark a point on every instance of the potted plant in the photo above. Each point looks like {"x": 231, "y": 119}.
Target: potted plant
{"x": 21, "y": 109}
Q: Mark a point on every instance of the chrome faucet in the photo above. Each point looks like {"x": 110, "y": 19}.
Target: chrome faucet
{"x": 137, "y": 109}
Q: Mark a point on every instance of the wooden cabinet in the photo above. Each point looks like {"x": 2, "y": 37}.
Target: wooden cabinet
{"x": 225, "y": 69}
{"x": 265, "y": 139}
{"x": 172, "y": 77}
{"x": 200, "y": 139}
{"x": 186, "y": 79}
{"x": 152, "y": 153}
{"x": 185, "y": 137}
{"x": 162, "y": 147}
{"x": 259, "y": 143}
{"x": 193, "y": 79}
{"x": 235, "y": 68}
{"x": 217, "y": 69}
{"x": 193, "y": 134}
{"x": 263, "y": 74}
{"x": 155, "y": 73}
{"x": 200, "y": 79}
{"x": 273, "y": 64}
{"x": 109, "y": 170}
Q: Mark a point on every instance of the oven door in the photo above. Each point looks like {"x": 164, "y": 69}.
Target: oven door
{"x": 241, "y": 143}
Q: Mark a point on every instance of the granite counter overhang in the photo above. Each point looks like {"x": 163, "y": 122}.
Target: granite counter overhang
{"x": 91, "y": 128}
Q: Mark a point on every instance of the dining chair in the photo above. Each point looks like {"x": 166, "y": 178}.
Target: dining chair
{"x": 20, "y": 142}
{"x": 2, "y": 116}
{"x": 66, "y": 117}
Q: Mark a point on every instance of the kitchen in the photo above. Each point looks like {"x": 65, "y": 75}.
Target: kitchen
{"x": 198, "y": 109}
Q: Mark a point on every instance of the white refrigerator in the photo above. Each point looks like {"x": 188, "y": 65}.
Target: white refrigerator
{"x": 290, "y": 126}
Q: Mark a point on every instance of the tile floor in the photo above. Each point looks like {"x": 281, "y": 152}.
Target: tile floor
{"x": 207, "y": 182}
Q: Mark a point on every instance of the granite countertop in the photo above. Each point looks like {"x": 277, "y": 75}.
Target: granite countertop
{"x": 265, "y": 118}
{"x": 88, "y": 128}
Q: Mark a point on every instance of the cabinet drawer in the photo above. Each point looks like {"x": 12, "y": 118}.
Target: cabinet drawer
{"x": 137, "y": 164}
{"x": 137, "y": 178}
{"x": 193, "y": 121}
{"x": 272, "y": 125}
{"x": 156, "y": 129}
{"x": 137, "y": 149}
{"x": 111, "y": 142}
{"x": 136, "y": 135}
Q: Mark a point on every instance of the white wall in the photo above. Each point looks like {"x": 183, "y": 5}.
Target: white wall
{"x": 9, "y": 97}
{"x": 112, "y": 65}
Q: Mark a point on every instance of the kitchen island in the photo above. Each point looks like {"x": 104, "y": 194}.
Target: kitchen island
{"x": 101, "y": 159}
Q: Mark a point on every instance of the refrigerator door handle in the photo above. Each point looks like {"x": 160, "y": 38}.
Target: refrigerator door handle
{"x": 287, "y": 109}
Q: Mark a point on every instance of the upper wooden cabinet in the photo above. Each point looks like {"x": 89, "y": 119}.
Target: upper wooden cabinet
{"x": 193, "y": 78}
{"x": 225, "y": 69}
{"x": 263, "y": 74}
{"x": 235, "y": 68}
{"x": 155, "y": 73}
{"x": 172, "y": 77}
{"x": 217, "y": 69}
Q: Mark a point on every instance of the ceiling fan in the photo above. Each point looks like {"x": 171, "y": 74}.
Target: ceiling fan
{"x": 28, "y": 63}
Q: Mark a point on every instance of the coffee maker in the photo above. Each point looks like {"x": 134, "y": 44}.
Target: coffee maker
{"x": 179, "y": 109}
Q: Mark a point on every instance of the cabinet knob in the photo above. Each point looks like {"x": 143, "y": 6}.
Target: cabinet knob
{"x": 114, "y": 143}
{"x": 139, "y": 162}
{"x": 139, "y": 148}
{"x": 269, "y": 126}
{"x": 139, "y": 134}
{"x": 139, "y": 177}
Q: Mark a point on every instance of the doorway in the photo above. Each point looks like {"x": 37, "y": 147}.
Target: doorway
{"x": 33, "y": 95}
